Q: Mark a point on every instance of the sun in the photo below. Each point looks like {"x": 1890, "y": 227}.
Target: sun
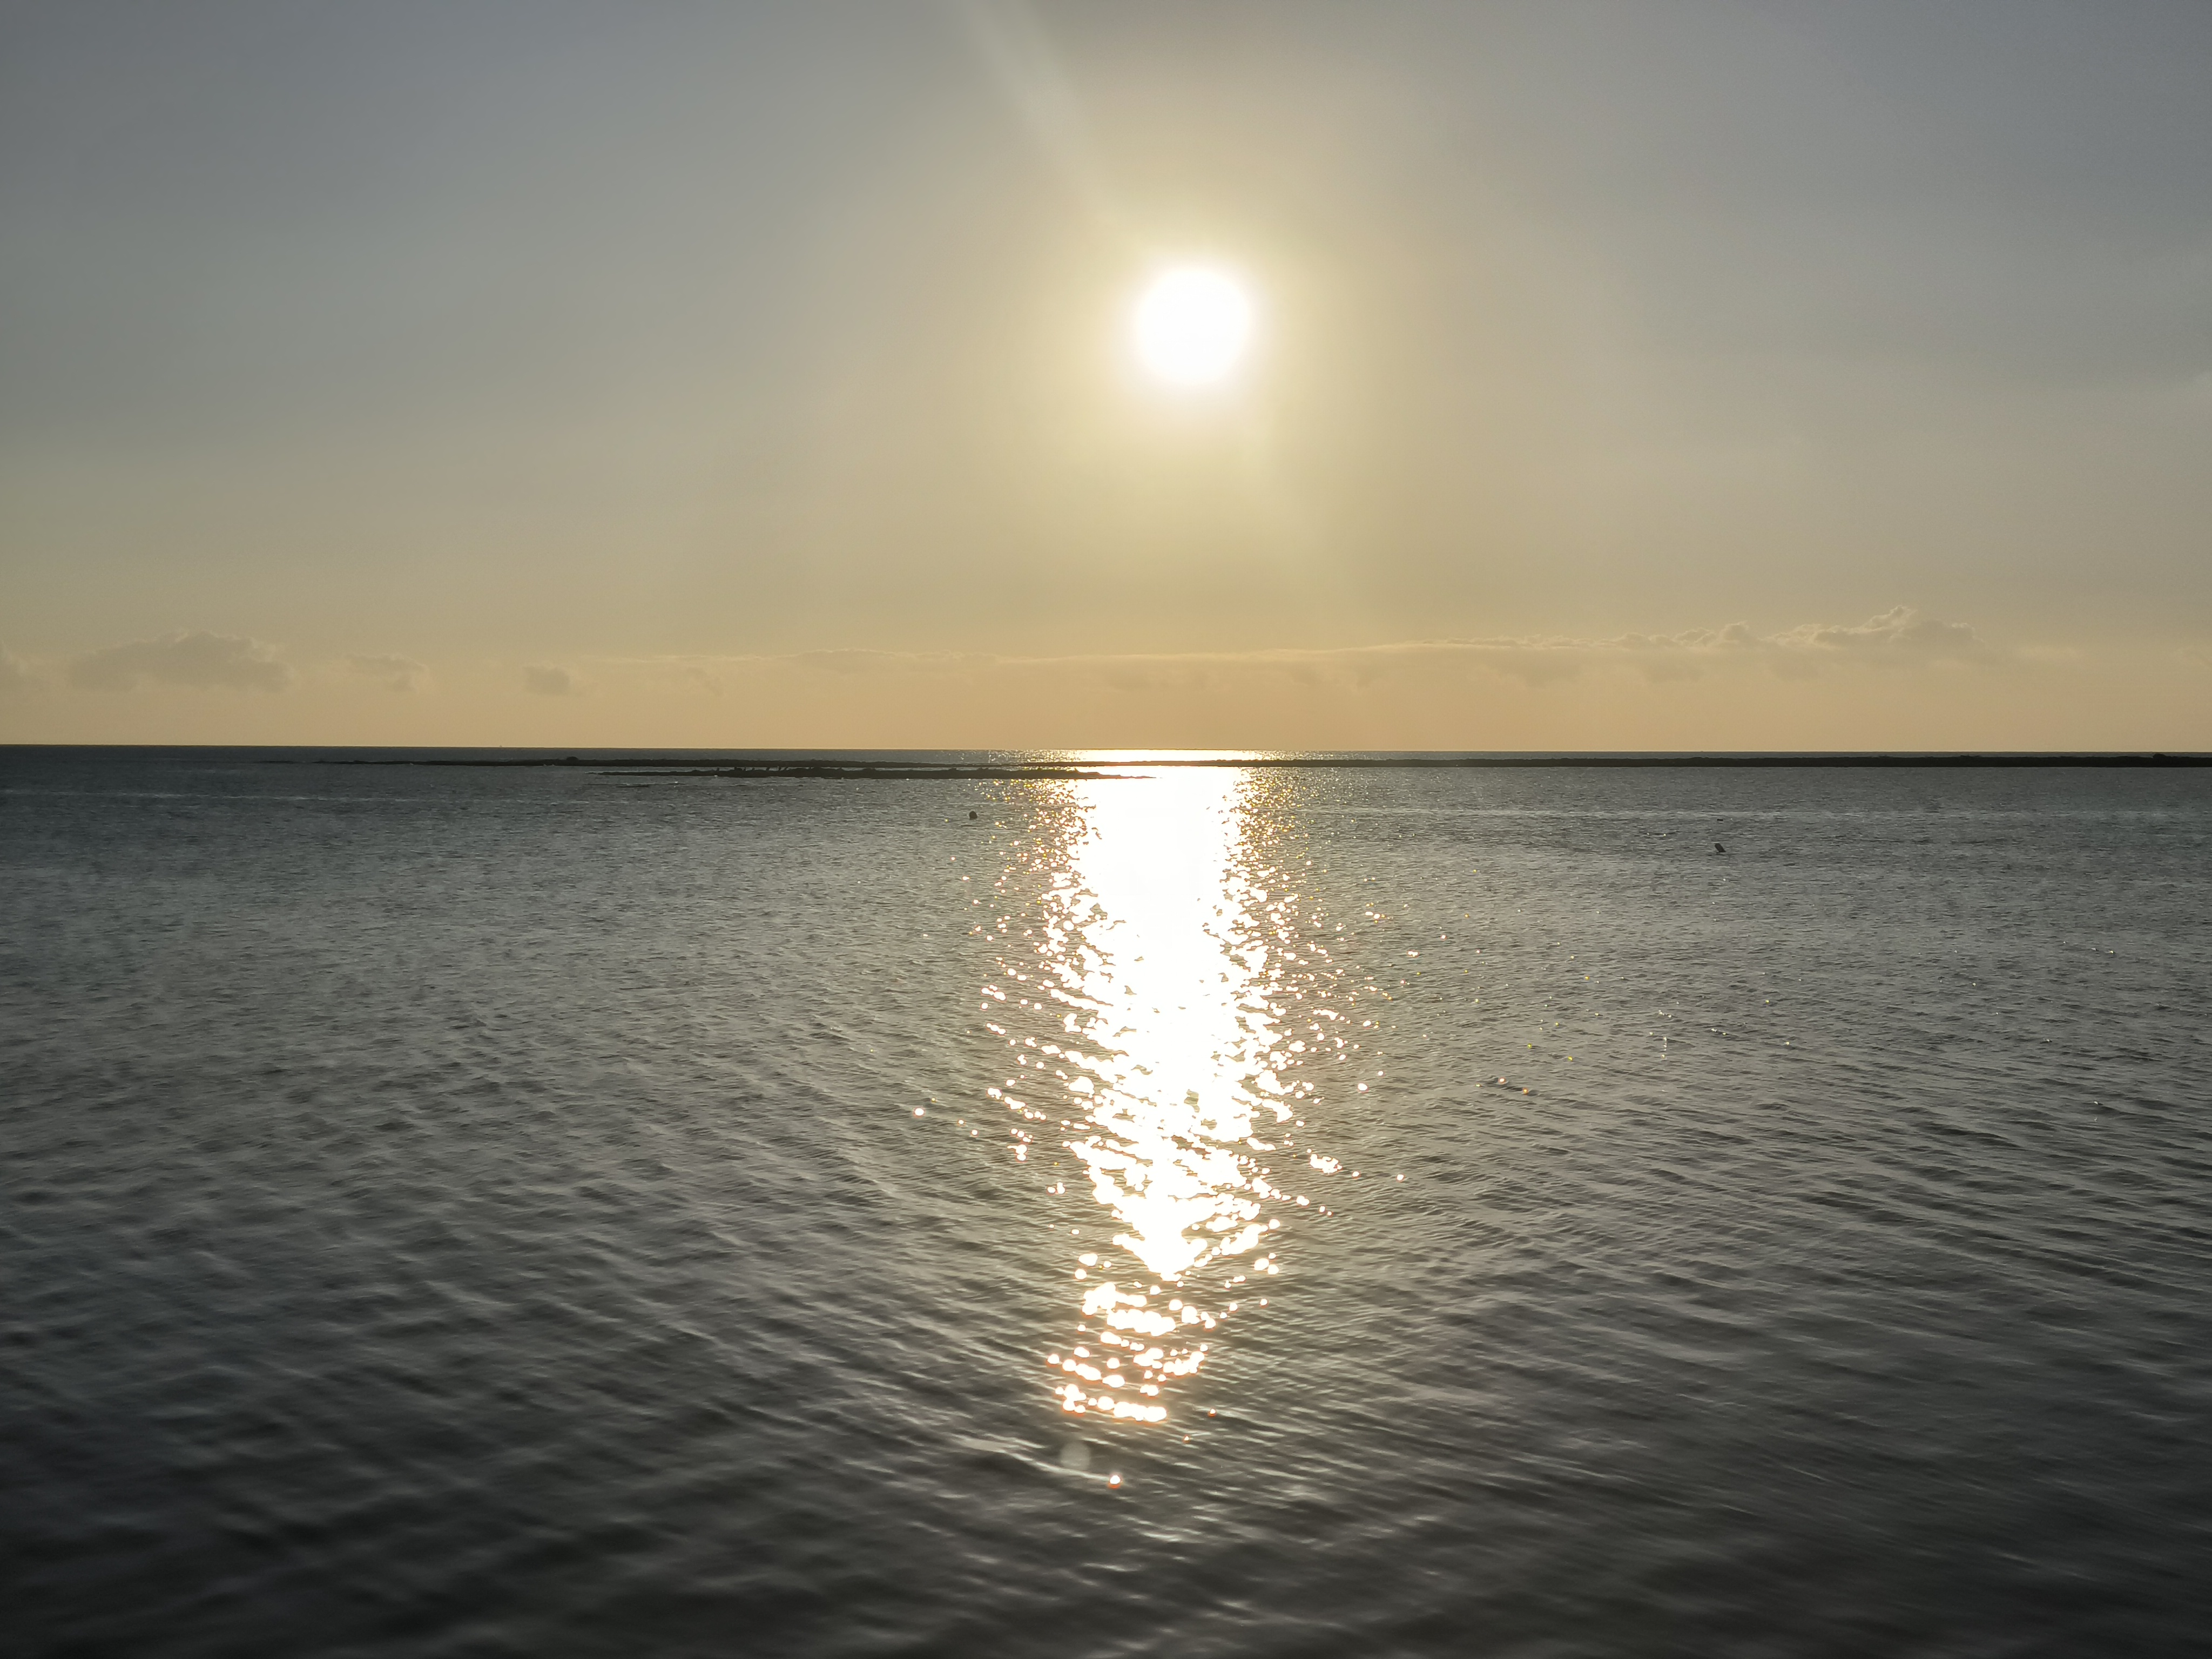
{"x": 1193, "y": 326}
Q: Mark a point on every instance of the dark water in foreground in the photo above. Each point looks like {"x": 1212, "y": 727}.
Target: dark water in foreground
{"x": 533, "y": 1212}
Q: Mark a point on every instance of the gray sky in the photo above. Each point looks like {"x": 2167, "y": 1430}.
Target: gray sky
{"x": 592, "y": 371}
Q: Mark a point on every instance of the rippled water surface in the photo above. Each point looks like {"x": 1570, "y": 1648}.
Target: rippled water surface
{"x": 1207, "y": 1211}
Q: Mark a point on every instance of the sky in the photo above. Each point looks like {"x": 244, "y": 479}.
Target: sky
{"x": 1624, "y": 375}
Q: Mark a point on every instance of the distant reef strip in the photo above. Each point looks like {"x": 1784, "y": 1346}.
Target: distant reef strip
{"x": 678, "y": 766}
{"x": 863, "y": 772}
{"x": 856, "y": 773}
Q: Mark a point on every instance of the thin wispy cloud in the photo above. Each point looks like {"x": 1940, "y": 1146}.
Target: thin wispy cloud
{"x": 16, "y": 677}
{"x": 392, "y": 673}
{"x": 551, "y": 680}
{"x": 1903, "y": 631}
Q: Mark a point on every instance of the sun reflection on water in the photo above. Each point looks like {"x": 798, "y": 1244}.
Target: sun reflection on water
{"x": 1171, "y": 1004}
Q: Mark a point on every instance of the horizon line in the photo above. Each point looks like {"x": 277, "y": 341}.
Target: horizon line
{"x": 861, "y": 763}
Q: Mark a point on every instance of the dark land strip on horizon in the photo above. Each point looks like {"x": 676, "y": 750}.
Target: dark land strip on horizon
{"x": 867, "y": 771}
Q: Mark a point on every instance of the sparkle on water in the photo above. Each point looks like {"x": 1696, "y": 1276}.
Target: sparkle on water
{"x": 1172, "y": 1085}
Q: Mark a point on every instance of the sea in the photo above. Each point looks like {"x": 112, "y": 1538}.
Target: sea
{"x": 1222, "y": 1210}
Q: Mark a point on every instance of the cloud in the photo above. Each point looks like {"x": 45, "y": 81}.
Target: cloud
{"x": 201, "y": 661}
{"x": 15, "y": 675}
{"x": 549, "y": 681}
{"x": 1902, "y": 630}
{"x": 393, "y": 673}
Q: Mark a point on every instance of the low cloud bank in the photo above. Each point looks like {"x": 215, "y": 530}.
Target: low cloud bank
{"x": 1900, "y": 637}
{"x": 201, "y": 661}
{"x": 1900, "y": 679}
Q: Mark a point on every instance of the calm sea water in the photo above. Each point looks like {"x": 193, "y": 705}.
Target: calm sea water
{"x": 1216, "y": 1213}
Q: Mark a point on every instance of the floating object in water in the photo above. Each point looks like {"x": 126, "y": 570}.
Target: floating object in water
{"x": 1717, "y": 847}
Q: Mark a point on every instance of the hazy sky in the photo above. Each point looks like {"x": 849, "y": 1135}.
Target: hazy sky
{"x": 1627, "y": 374}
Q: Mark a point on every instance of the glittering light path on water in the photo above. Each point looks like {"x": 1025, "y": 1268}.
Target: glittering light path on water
{"x": 1185, "y": 1013}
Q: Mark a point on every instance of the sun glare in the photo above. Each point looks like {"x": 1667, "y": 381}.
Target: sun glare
{"x": 1193, "y": 326}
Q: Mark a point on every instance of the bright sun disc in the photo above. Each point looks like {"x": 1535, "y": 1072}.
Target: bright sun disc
{"x": 1193, "y": 326}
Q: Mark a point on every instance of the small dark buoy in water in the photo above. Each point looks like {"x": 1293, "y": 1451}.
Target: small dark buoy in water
{"x": 971, "y": 815}
{"x": 1717, "y": 847}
